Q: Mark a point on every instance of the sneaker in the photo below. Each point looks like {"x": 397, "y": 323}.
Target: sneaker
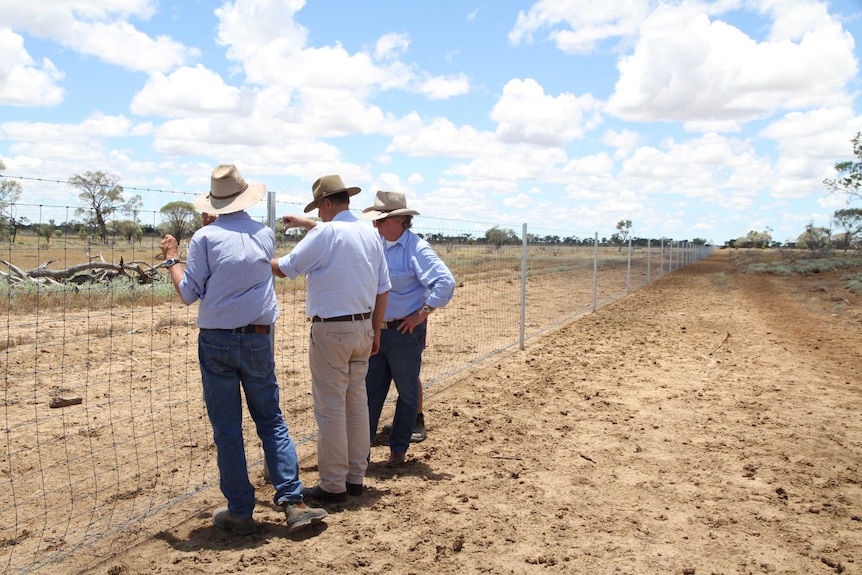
{"x": 354, "y": 489}
{"x": 299, "y": 515}
{"x": 419, "y": 431}
{"x": 224, "y": 519}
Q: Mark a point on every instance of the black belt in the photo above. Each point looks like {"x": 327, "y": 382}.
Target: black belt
{"x": 349, "y": 317}
{"x": 392, "y": 324}
{"x": 245, "y": 329}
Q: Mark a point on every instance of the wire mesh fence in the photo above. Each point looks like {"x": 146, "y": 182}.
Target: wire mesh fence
{"x": 104, "y": 420}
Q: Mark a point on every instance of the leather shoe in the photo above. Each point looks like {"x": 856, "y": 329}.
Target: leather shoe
{"x": 300, "y": 515}
{"x": 222, "y": 517}
{"x": 320, "y": 494}
{"x": 354, "y": 489}
{"x": 396, "y": 459}
{"x": 419, "y": 431}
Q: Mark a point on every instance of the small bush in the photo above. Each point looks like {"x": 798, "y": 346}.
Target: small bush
{"x": 853, "y": 282}
{"x": 804, "y": 266}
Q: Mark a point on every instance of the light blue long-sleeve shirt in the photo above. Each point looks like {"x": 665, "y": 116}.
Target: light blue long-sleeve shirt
{"x": 418, "y": 277}
{"x": 343, "y": 264}
{"x": 228, "y": 269}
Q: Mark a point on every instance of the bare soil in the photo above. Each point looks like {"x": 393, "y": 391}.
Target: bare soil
{"x": 710, "y": 422}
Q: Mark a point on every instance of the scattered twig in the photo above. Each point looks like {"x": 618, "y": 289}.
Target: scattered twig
{"x": 513, "y": 457}
{"x": 586, "y": 457}
{"x": 727, "y": 337}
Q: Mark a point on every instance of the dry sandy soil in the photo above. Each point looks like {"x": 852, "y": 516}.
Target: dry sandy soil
{"x": 708, "y": 423}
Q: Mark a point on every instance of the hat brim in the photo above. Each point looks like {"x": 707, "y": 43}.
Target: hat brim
{"x": 352, "y": 191}
{"x": 252, "y": 195}
{"x": 374, "y": 215}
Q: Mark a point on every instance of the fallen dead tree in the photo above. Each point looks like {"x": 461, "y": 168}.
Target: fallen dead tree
{"x": 99, "y": 272}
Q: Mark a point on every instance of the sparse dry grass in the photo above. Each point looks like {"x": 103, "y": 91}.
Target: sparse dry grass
{"x": 11, "y": 341}
{"x": 830, "y": 284}
{"x": 469, "y": 263}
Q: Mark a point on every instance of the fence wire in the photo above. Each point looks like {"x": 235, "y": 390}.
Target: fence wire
{"x": 104, "y": 421}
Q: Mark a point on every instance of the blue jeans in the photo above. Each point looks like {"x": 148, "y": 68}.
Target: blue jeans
{"x": 399, "y": 358}
{"x": 228, "y": 361}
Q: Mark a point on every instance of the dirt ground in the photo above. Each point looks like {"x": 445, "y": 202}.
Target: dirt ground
{"x": 709, "y": 423}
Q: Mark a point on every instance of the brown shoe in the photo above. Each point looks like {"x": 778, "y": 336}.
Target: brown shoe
{"x": 299, "y": 515}
{"x": 396, "y": 459}
{"x": 223, "y": 518}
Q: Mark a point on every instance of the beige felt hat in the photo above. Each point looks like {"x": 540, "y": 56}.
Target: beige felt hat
{"x": 326, "y": 186}
{"x": 388, "y": 204}
{"x": 229, "y": 192}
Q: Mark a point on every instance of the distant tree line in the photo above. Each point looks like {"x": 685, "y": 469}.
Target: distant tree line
{"x": 844, "y": 231}
{"x": 104, "y": 199}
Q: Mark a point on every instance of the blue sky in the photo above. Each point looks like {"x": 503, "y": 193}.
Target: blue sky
{"x": 692, "y": 119}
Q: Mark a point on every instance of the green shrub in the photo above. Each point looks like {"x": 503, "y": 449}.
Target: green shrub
{"x": 853, "y": 282}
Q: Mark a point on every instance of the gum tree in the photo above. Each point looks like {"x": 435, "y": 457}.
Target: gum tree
{"x": 180, "y": 219}
{"x": 10, "y": 193}
{"x": 103, "y": 196}
{"x": 849, "y": 180}
{"x": 817, "y": 239}
{"x": 624, "y": 227}
{"x": 850, "y": 221}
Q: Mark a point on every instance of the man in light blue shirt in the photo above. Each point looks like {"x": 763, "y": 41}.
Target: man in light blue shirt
{"x": 347, "y": 285}
{"x": 228, "y": 270}
{"x": 421, "y": 283}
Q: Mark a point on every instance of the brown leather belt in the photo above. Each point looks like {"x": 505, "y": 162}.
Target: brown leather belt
{"x": 392, "y": 324}
{"x": 350, "y": 317}
{"x": 245, "y": 329}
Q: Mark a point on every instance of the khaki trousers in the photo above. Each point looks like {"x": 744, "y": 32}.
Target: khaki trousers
{"x": 338, "y": 355}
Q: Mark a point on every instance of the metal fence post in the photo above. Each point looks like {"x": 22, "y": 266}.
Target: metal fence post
{"x": 270, "y": 221}
{"x": 661, "y": 259}
{"x": 595, "y": 271}
{"x": 648, "y": 251}
{"x": 629, "y": 269}
{"x": 670, "y": 257}
{"x": 523, "y": 284}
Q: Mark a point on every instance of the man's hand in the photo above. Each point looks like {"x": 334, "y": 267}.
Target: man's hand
{"x": 411, "y": 321}
{"x": 297, "y": 222}
{"x": 170, "y": 248}
{"x": 375, "y": 343}
{"x": 171, "y": 251}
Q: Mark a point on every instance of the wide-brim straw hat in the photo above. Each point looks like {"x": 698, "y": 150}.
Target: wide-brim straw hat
{"x": 388, "y": 204}
{"x": 327, "y": 186}
{"x": 229, "y": 192}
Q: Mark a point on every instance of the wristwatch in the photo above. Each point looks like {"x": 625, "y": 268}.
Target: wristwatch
{"x": 426, "y": 308}
{"x": 170, "y": 262}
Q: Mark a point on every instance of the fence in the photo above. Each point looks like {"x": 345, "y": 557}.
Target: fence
{"x": 104, "y": 422}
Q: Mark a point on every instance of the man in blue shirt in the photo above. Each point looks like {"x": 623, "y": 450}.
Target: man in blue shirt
{"x": 228, "y": 270}
{"x": 348, "y": 283}
{"x": 421, "y": 283}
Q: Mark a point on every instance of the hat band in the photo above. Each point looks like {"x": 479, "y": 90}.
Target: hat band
{"x": 244, "y": 188}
